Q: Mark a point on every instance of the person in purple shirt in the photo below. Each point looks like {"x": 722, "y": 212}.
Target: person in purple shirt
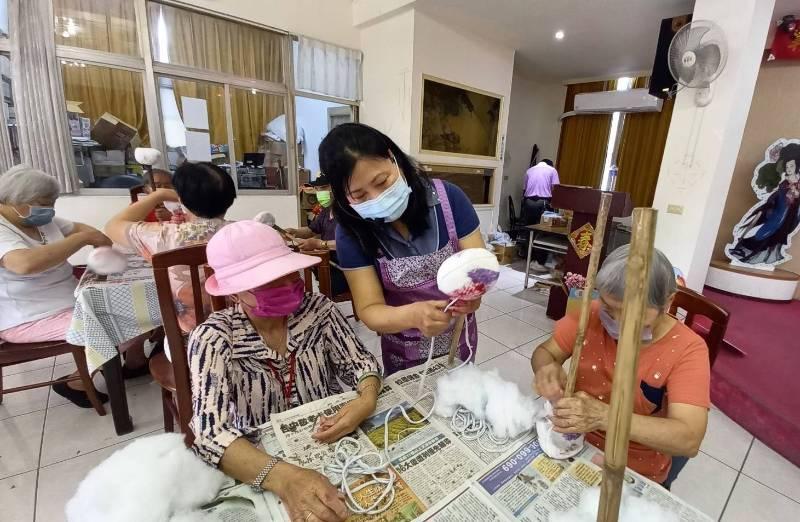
{"x": 539, "y": 181}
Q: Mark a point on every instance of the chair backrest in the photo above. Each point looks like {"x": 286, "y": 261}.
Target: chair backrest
{"x": 193, "y": 257}
{"x": 323, "y": 273}
{"x": 512, "y": 214}
{"x": 697, "y": 305}
{"x": 135, "y": 191}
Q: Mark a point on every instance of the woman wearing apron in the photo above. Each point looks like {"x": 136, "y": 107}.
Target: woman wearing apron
{"x": 396, "y": 227}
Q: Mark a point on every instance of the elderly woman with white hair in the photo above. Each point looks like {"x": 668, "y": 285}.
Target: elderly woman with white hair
{"x": 36, "y": 282}
{"x": 672, "y": 400}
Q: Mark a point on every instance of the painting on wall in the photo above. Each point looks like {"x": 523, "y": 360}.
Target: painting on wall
{"x": 458, "y": 120}
{"x": 763, "y": 236}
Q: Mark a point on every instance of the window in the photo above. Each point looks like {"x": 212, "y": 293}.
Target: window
{"x": 315, "y": 118}
{"x": 4, "y": 18}
{"x": 106, "y": 115}
{"x": 102, "y": 25}
{"x": 9, "y": 111}
{"x": 259, "y": 135}
{"x": 610, "y": 164}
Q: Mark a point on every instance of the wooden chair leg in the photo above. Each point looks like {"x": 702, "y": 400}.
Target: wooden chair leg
{"x": 169, "y": 419}
{"x": 1, "y": 385}
{"x": 83, "y": 370}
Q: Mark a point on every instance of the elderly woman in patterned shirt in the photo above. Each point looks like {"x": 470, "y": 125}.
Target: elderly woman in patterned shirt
{"x": 277, "y": 348}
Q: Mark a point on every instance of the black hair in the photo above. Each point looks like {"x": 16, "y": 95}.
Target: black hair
{"x": 549, "y": 162}
{"x": 204, "y": 189}
{"x": 788, "y": 153}
{"x": 339, "y": 152}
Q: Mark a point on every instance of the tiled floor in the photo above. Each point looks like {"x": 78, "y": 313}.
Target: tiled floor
{"x": 48, "y": 446}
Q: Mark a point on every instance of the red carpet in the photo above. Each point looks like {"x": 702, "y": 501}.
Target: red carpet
{"x": 761, "y": 391}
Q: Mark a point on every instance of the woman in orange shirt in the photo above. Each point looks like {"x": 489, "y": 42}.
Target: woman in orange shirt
{"x": 672, "y": 400}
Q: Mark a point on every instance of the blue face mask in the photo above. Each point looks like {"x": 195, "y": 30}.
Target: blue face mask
{"x": 389, "y": 205}
{"x": 612, "y": 327}
{"x": 37, "y": 216}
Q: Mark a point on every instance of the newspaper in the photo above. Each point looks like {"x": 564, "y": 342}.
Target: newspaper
{"x": 465, "y": 503}
{"x": 237, "y": 502}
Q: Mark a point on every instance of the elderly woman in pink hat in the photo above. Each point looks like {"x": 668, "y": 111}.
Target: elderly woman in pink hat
{"x": 276, "y": 348}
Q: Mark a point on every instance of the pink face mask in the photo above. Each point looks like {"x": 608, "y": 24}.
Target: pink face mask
{"x": 278, "y": 301}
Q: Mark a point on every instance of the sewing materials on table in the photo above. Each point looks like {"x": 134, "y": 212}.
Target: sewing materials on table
{"x": 632, "y": 509}
{"x": 565, "y": 445}
{"x": 106, "y": 261}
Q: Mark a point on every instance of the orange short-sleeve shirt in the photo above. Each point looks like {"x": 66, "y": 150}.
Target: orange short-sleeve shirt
{"x": 673, "y": 369}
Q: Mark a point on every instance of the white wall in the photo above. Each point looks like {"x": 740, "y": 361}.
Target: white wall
{"x": 312, "y": 115}
{"x": 447, "y": 53}
{"x": 328, "y": 20}
{"x": 388, "y": 46}
{"x": 533, "y": 118}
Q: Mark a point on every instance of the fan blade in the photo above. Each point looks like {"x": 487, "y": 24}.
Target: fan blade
{"x": 709, "y": 58}
{"x": 696, "y": 34}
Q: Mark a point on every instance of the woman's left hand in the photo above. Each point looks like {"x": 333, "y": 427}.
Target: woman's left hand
{"x": 346, "y": 420}
{"x": 307, "y": 245}
{"x": 462, "y": 307}
{"x": 581, "y": 413}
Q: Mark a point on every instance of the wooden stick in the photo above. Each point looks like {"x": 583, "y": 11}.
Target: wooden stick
{"x": 459, "y": 326}
{"x": 586, "y": 298}
{"x": 634, "y": 305}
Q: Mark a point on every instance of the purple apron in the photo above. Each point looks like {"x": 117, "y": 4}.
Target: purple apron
{"x": 411, "y": 279}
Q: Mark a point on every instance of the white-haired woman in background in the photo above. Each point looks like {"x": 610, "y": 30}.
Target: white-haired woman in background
{"x": 36, "y": 282}
{"x": 671, "y": 404}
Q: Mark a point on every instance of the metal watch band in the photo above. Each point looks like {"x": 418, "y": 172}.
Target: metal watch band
{"x": 256, "y": 484}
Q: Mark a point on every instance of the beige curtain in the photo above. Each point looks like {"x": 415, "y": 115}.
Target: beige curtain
{"x": 43, "y": 132}
{"x": 641, "y": 148}
{"x": 251, "y": 113}
{"x": 214, "y": 95}
{"x": 584, "y": 140}
{"x": 103, "y": 25}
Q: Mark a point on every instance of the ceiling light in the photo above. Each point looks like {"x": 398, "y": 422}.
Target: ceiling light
{"x": 559, "y": 35}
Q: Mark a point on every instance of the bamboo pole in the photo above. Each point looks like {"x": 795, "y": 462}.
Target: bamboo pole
{"x": 459, "y": 326}
{"x": 586, "y": 299}
{"x": 634, "y": 304}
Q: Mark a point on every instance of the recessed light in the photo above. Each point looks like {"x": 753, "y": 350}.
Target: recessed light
{"x": 559, "y": 35}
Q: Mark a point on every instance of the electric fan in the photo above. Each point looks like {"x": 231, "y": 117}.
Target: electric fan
{"x": 697, "y": 56}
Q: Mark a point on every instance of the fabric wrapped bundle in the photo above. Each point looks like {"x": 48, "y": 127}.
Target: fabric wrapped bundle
{"x": 554, "y": 444}
{"x": 468, "y": 274}
{"x": 147, "y": 156}
{"x": 106, "y": 261}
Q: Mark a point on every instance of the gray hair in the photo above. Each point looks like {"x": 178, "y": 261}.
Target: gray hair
{"x": 611, "y": 277}
{"x": 23, "y": 185}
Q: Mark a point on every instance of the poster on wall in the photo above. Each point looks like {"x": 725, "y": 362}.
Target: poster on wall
{"x": 458, "y": 120}
{"x": 763, "y": 236}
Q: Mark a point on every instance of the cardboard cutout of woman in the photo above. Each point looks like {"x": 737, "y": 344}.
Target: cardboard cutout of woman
{"x": 762, "y": 238}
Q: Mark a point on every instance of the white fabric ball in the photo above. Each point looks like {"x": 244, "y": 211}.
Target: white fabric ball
{"x": 106, "y": 261}
{"x": 147, "y": 156}
{"x": 468, "y": 274}
{"x": 265, "y": 217}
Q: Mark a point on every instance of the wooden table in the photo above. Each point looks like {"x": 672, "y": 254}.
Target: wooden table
{"x": 533, "y": 231}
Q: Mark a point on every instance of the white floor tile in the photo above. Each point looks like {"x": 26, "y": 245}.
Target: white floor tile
{"x": 725, "y": 440}
{"x": 20, "y": 441}
{"x": 17, "y": 497}
{"x": 705, "y": 483}
{"x": 488, "y": 348}
{"x": 509, "y": 331}
{"x": 19, "y": 403}
{"x": 486, "y": 312}
{"x": 513, "y": 367}
{"x": 72, "y": 431}
{"x": 754, "y": 502}
{"x": 64, "y": 358}
{"x": 504, "y": 302}
{"x": 534, "y": 315}
{"x": 28, "y": 366}
{"x": 59, "y": 482}
{"x": 768, "y": 467}
{"x": 510, "y": 279}
{"x": 526, "y": 350}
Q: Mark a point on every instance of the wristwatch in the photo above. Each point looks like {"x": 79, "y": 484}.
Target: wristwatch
{"x": 262, "y": 476}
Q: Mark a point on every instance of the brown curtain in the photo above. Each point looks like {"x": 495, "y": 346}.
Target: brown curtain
{"x": 584, "y": 139}
{"x": 251, "y": 113}
{"x": 103, "y": 25}
{"x": 641, "y": 148}
{"x": 206, "y": 42}
{"x": 103, "y": 89}
{"x": 214, "y": 95}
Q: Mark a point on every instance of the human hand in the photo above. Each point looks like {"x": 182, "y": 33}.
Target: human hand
{"x": 308, "y": 495}
{"x": 550, "y": 381}
{"x": 307, "y": 245}
{"x": 429, "y": 317}
{"x": 346, "y": 420}
{"x": 162, "y": 214}
{"x": 93, "y": 237}
{"x": 581, "y": 413}
{"x": 178, "y": 218}
{"x": 290, "y": 231}
{"x": 464, "y": 307}
{"x": 165, "y": 194}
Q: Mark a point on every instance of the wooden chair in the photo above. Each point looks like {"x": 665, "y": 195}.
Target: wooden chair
{"x": 173, "y": 377}
{"x": 136, "y": 191}
{"x": 324, "y": 277}
{"x": 13, "y": 353}
{"x": 697, "y": 305}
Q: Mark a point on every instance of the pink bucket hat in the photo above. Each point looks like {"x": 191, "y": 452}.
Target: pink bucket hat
{"x": 248, "y": 254}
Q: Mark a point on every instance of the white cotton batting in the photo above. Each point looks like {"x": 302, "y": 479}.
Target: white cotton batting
{"x": 461, "y": 387}
{"x": 554, "y": 444}
{"x": 508, "y": 412}
{"x": 147, "y": 156}
{"x": 106, "y": 261}
{"x": 265, "y": 217}
{"x": 632, "y": 509}
{"x": 150, "y": 479}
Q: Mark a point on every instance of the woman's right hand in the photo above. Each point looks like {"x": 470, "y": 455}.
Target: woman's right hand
{"x": 95, "y": 238}
{"x": 430, "y": 318}
{"x": 550, "y": 381}
{"x": 308, "y": 495}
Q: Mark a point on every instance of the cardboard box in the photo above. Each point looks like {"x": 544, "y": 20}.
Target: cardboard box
{"x": 554, "y": 220}
{"x": 113, "y": 133}
{"x": 505, "y": 253}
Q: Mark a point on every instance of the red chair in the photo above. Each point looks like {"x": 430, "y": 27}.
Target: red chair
{"x": 697, "y": 306}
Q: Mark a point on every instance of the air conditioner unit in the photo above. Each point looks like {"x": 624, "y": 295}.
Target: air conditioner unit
{"x": 604, "y": 102}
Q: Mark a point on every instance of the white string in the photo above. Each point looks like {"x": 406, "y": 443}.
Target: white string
{"x": 466, "y": 425}
{"x": 430, "y": 355}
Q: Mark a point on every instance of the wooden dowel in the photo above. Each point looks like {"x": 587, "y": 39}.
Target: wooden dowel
{"x": 586, "y": 298}
{"x": 634, "y": 305}
{"x": 459, "y": 326}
